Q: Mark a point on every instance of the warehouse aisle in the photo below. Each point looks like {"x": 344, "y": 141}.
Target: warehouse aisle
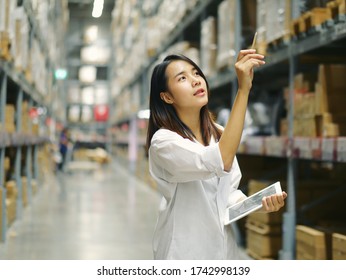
{"x": 102, "y": 214}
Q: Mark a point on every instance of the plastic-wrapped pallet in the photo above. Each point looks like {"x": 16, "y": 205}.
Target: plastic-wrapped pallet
{"x": 226, "y": 34}
{"x": 208, "y": 46}
{"x": 273, "y": 20}
{"x": 20, "y": 44}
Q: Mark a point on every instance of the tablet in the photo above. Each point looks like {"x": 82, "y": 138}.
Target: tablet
{"x": 250, "y": 204}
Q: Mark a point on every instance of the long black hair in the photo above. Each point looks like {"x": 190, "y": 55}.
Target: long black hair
{"x": 163, "y": 115}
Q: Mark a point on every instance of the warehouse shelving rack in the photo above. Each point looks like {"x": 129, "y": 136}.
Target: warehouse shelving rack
{"x": 20, "y": 142}
{"x": 14, "y": 89}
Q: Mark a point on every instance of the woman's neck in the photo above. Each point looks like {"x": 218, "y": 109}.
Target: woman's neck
{"x": 194, "y": 123}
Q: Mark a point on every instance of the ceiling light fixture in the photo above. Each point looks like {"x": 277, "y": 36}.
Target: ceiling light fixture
{"x": 97, "y": 8}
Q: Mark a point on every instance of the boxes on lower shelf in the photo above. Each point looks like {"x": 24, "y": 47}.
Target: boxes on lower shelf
{"x": 262, "y": 246}
{"x": 321, "y": 243}
{"x": 338, "y": 246}
{"x": 11, "y": 208}
{"x": 263, "y": 230}
{"x": 312, "y": 244}
{"x": 11, "y": 201}
{"x": 274, "y": 218}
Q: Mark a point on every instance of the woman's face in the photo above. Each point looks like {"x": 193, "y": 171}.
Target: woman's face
{"x": 186, "y": 88}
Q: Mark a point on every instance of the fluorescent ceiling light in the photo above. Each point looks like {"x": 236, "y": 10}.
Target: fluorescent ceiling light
{"x": 97, "y": 8}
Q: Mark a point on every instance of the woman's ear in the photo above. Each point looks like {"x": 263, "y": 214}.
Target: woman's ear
{"x": 166, "y": 97}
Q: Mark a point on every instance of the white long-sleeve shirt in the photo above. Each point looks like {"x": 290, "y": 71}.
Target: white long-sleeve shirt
{"x": 196, "y": 191}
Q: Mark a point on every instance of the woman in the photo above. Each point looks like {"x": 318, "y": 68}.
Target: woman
{"x": 193, "y": 160}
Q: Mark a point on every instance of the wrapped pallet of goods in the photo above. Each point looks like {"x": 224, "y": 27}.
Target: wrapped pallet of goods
{"x": 318, "y": 99}
{"x": 226, "y": 34}
{"x": 6, "y": 28}
{"x": 273, "y": 23}
{"x": 208, "y": 46}
{"x": 20, "y": 44}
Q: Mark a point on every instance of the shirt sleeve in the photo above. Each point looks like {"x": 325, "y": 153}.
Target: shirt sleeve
{"x": 235, "y": 196}
{"x": 176, "y": 159}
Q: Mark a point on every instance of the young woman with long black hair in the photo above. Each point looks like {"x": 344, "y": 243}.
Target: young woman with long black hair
{"x": 193, "y": 160}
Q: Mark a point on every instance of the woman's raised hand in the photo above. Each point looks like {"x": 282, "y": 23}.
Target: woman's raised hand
{"x": 246, "y": 61}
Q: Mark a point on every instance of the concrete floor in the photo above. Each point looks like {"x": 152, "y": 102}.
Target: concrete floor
{"x": 102, "y": 214}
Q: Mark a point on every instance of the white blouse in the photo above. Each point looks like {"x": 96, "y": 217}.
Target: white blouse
{"x": 196, "y": 191}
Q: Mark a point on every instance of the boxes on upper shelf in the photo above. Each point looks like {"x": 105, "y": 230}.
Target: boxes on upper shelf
{"x": 208, "y": 46}
{"x": 226, "y": 53}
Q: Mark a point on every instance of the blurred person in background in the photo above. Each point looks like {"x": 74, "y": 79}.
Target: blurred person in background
{"x": 193, "y": 160}
{"x": 63, "y": 147}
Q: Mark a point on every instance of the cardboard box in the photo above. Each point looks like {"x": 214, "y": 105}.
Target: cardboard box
{"x": 305, "y": 127}
{"x": 11, "y": 190}
{"x": 331, "y": 88}
{"x": 339, "y": 246}
{"x": 312, "y": 244}
{"x": 263, "y": 246}
{"x": 11, "y": 207}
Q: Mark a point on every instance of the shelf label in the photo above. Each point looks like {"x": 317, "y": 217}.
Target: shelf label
{"x": 340, "y": 29}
